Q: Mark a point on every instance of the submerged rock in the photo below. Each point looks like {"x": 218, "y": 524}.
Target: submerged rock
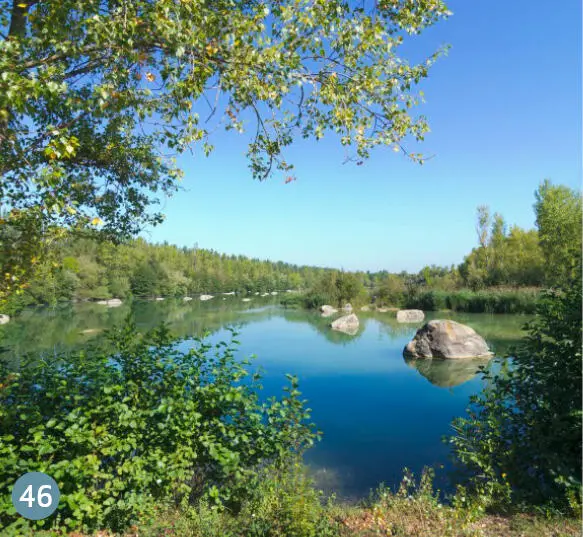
{"x": 91, "y": 331}
{"x": 274, "y": 293}
{"x": 206, "y": 297}
{"x": 246, "y": 299}
{"x": 326, "y": 310}
{"x": 446, "y": 339}
{"x": 187, "y": 298}
{"x": 347, "y": 324}
{"x": 410, "y": 316}
{"x": 4, "y": 318}
{"x": 159, "y": 298}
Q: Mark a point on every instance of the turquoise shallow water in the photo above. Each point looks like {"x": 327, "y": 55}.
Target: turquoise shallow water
{"x": 378, "y": 413}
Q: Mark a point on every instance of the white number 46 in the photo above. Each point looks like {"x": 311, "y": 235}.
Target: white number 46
{"x": 44, "y": 499}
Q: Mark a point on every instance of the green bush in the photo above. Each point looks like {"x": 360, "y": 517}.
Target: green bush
{"x": 521, "y": 441}
{"x": 147, "y": 425}
{"x": 285, "y": 504}
{"x": 485, "y": 301}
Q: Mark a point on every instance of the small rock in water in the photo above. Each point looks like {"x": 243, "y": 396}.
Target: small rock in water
{"x": 4, "y": 318}
{"x": 348, "y": 324}
{"x": 327, "y": 310}
{"x": 91, "y": 331}
{"x": 112, "y": 303}
{"x": 206, "y": 297}
{"x": 347, "y": 308}
{"x": 159, "y": 298}
{"x": 187, "y": 298}
{"x": 246, "y": 299}
{"x": 410, "y": 316}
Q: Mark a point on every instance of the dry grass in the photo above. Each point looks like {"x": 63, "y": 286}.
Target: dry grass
{"x": 418, "y": 521}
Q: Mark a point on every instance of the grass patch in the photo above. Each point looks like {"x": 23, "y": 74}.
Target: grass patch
{"x": 285, "y": 504}
{"x": 486, "y": 301}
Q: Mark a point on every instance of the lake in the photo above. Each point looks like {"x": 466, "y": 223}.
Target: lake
{"x": 378, "y": 413}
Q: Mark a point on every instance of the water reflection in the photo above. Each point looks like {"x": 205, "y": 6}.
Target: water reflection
{"x": 447, "y": 373}
{"x": 378, "y": 413}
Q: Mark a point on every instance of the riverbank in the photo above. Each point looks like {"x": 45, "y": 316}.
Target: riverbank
{"x": 521, "y": 300}
{"x": 290, "y": 507}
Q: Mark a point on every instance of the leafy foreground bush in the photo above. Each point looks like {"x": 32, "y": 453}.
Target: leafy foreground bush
{"x": 522, "y": 438}
{"x": 149, "y": 426}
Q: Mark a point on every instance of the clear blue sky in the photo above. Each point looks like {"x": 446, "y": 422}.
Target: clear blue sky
{"x": 505, "y": 112}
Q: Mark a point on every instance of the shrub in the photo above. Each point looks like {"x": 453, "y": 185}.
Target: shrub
{"x": 285, "y": 504}
{"x": 147, "y": 425}
{"x": 521, "y": 441}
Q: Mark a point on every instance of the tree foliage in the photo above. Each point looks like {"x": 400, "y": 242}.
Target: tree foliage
{"x": 98, "y": 98}
{"x": 82, "y": 269}
{"x": 558, "y": 212}
{"x": 521, "y": 440}
{"x": 142, "y": 427}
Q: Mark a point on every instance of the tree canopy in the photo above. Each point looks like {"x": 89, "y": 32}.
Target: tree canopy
{"x": 558, "y": 212}
{"x": 97, "y": 99}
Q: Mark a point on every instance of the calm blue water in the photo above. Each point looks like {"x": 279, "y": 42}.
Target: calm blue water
{"x": 378, "y": 413}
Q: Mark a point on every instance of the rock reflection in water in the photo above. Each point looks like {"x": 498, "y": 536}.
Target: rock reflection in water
{"x": 447, "y": 373}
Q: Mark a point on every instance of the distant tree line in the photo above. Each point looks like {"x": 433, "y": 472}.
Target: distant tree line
{"x": 505, "y": 257}
{"x": 80, "y": 268}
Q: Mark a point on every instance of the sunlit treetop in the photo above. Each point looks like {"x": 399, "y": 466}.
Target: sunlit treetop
{"x": 97, "y": 98}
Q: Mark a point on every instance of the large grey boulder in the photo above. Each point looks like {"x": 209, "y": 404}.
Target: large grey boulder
{"x": 446, "y": 339}
{"x": 410, "y": 316}
{"x": 326, "y": 310}
{"x": 4, "y": 319}
{"x": 348, "y": 324}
